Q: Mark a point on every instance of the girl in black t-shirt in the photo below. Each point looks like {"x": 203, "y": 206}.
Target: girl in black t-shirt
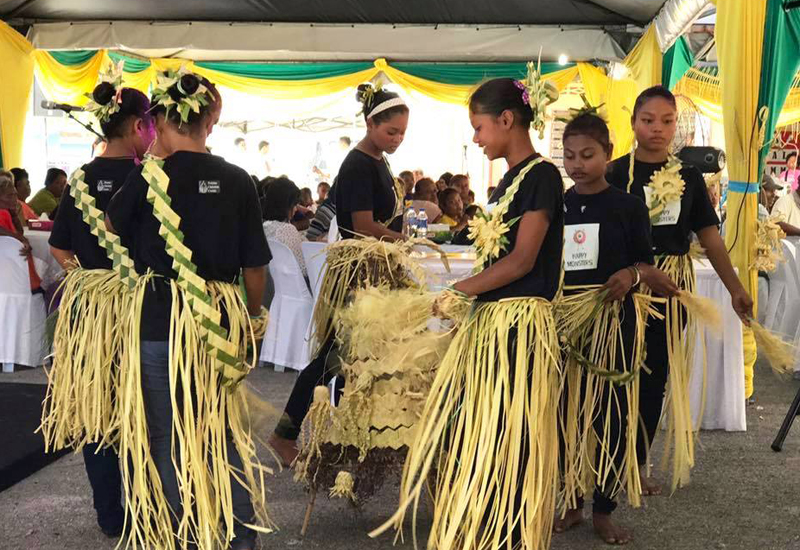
{"x": 367, "y": 200}
{"x": 81, "y": 410}
{"x": 490, "y": 416}
{"x": 652, "y": 174}
{"x": 601, "y": 324}
{"x": 195, "y": 228}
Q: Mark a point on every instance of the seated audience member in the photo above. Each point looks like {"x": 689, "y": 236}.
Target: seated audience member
{"x": 770, "y": 187}
{"x": 11, "y": 226}
{"x": 425, "y": 197}
{"x": 418, "y": 175}
{"x": 452, "y": 209}
{"x": 460, "y": 182}
{"x": 462, "y": 237}
{"x": 304, "y": 212}
{"x": 407, "y": 177}
{"x": 789, "y": 207}
{"x": 470, "y": 198}
{"x": 278, "y": 206}
{"x": 46, "y": 200}
{"x": 320, "y": 226}
{"x": 23, "y": 185}
{"x": 446, "y": 177}
{"x": 322, "y": 192}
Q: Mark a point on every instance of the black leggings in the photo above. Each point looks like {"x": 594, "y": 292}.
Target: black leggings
{"x": 315, "y": 374}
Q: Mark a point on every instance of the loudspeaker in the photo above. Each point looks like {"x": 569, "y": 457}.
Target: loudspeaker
{"x": 709, "y": 160}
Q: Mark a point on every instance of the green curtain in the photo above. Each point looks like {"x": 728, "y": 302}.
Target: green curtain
{"x": 73, "y": 57}
{"x": 780, "y": 63}
{"x": 465, "y": 74}
{"x": 677, "y": 60}
{"x": 132, "y": 64}
{"x": 286, "y": 71}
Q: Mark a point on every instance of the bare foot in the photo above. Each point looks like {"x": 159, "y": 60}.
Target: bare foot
{"x": 650, "y": 486}
{"x": 571, "y": 519}
{"x": 286, "y": 449}
{"x": 608, "y": 531}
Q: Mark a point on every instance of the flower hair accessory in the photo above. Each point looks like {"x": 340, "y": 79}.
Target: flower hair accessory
{"x": 106, "y": 98}
{"x": 180, "y": 90}
{"x": 587, "y": 109}
{"x": 538, "y": 94}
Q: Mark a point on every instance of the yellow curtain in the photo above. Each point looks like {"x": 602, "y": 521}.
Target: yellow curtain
{"x": 645, "y": 60}
{"x": 618, "y": 97}
{"x": 704, "y": 91}
{"x": 453, "y": 93}
{"x": 67, "y": 84}
{"x": 740, "y": 37}
{"x": 15, "y": 93}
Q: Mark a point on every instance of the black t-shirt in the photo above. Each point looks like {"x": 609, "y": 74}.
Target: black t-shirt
{"x": 624, "y": 232}
{"x": 220, "y": 220}
{"x": 541, "y": 189}
{"x": 104, "y": 177}
{"x": 364, "y": 183}
{"x": 696, "y": 210}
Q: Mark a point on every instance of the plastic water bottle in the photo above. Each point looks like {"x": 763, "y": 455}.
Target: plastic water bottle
{"x": 410, "y": 221}
{"x": 422, "y": 224}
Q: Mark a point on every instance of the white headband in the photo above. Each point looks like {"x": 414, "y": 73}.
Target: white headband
{"x": 388, "y": 104}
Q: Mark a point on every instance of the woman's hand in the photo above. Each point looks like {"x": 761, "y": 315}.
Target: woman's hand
{"x": 26, "y": 245}
{"x": 743, "y": 305}
{"x": 618, "y": 285}
{"x": 658, "y": 281}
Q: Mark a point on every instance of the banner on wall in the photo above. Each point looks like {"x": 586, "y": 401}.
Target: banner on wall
{"x": 784, "y": 144}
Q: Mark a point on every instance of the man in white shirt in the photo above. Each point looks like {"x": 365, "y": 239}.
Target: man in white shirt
{"x": 789, "y": 207}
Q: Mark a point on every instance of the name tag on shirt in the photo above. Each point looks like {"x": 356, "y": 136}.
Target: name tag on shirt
{"x": 581, "y": 246}
{"x": 668, "y": 216}
{"x": 208, "y": 187}
{"x": 105, "y": 186}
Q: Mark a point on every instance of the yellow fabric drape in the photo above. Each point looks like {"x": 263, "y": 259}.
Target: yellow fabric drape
{"x": 15, "y": 93}
{"x": 740, "y": 38}
{"x": 618, "y": 97}
{"x": 454, "y": 93}
{"x": 645, "y": 60}
{"x": 67, "y": 84}
{"x": 704, "y": 91}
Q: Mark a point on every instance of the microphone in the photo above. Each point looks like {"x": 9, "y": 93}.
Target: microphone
{"x": 53, "y": 106}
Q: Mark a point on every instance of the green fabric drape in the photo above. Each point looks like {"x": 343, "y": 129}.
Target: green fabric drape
{"x": 286, "y": 71}
{"x": 677, "y": 60}
{"x": 780, "y": 63}
{"x": 132, "y": 65}
{"x": 465, "y": 74}
{"x": 73, "y": 57}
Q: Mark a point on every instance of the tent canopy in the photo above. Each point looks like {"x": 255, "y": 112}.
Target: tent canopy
{"x": 345, "y": 30}
{"x": 505, "y": 12}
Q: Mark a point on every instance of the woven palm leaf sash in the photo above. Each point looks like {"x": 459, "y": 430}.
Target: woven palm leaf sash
{"x": 95, "y": 219}
{"x": 230, "y": 367}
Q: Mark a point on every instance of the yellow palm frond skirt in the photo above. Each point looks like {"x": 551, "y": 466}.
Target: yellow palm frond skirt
{"x": 203, "y": 412}
{"x": 487, "y": 439}
{"x": 601, "y": 366}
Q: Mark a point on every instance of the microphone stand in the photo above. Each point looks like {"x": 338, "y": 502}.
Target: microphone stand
{"x": 87, "y": 126}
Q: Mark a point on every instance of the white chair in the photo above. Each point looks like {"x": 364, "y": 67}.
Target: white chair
{"x": 285, "y": 344}
{"x": 314, "y": 256}
{"x": 22, "y": 314}
{"x": 784, "y": 297}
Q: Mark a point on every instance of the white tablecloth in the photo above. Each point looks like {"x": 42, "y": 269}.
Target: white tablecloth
{"x": 724, "y": 406}
{"x": 48, "y": 268}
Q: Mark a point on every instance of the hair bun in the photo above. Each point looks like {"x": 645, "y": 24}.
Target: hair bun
{"x": 186, "y": 86}
{"x": 364, "y": 92}
{"x": 104, "y": 93}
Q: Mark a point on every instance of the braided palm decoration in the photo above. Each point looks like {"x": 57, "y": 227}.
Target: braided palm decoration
{"x": 95, "y": 219}
{"x": 207, "y": 316}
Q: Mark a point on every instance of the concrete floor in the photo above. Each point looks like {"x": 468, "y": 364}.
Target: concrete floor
{"x": 742, "y": 495}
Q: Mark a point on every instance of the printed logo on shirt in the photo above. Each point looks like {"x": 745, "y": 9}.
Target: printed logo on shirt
{"x": 668, "y": 216}
{"x": 105, "y": 186}
{"x": 208, "y": 187}
{"x": 581, "y": 246}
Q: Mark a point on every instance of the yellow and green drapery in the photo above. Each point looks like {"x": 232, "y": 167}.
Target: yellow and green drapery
{"x": 677, "y": 60}
{"x": 757, "y": 44}
{"x": 15, "y": 92}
